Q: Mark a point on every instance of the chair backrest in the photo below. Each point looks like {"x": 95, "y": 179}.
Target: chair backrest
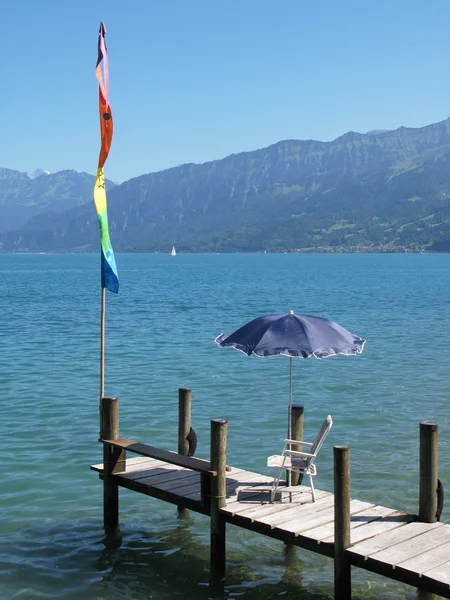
{"x": 323, "y": 432}
{"x": 302, "y": 463}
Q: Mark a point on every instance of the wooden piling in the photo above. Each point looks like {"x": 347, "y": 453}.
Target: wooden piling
{"x": 342, "y": 567}
{"x": 297, "y": 417}
{"x": 428, "y": 497}
{"x": 184, "y": 419}
{"x": 113, "y": 460}
{"x": 218, "y": 498}
{"x": 184, "y": 427}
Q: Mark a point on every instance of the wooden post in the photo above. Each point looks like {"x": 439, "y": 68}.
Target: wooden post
{"x": 297, "y": 434}
{"x": 428, "y": 497}
{"x": 342, "y": 567}
{"x": 184, "y": 427}
{"x": 113, "y": 460}
{"x": 218, "y": 498}
{"x": 428, "y": 482}
{"x": 184, "y": 419}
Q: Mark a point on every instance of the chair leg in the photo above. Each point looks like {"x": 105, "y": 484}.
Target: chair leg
{"x": 275, "y": 484}
{"x": 312, "y": 489}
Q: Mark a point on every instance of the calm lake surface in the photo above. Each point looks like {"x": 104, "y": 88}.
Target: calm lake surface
{"x": 160, "y": 336}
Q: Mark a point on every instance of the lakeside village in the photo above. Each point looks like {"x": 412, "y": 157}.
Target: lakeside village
{"x": 363, "y": 249}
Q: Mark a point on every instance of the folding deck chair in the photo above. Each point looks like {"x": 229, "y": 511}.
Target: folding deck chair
{"x": 299, "y": 462}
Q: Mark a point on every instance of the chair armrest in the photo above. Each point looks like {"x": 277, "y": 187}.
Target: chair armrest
{"x": 298, "y": 442}
{"x": 295, "y": 453}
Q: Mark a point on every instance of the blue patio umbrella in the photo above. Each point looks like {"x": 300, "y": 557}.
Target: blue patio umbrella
{"x": 294, "y": 336}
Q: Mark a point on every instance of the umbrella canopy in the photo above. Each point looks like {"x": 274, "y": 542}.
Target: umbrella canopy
{"x": 292, "y": 335}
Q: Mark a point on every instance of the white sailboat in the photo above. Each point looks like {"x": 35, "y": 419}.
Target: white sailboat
{"x": 174, "y": 252}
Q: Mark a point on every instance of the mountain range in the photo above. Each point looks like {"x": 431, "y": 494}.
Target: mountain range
{"x": 385, "y": 190}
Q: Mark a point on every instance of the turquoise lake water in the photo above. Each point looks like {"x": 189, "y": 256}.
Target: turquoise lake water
{"x": 160, "y": 336}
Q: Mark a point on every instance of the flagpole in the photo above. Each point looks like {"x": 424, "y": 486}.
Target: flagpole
{"x": 109, "y": 278}
{"x": 102, "y": 349}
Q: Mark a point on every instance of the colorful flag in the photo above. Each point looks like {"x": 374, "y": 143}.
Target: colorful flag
{"x": 109, "y": 277}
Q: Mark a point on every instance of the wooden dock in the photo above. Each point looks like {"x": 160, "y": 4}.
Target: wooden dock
{"x": 383, "y": 540}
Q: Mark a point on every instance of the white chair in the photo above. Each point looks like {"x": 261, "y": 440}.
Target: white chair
{"x": 298, "y": 461}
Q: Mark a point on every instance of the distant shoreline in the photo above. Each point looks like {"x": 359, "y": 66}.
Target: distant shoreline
{"x": 320, "y": 250}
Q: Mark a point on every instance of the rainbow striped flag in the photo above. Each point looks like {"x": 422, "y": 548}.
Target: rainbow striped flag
{"x": 109, "y": 277}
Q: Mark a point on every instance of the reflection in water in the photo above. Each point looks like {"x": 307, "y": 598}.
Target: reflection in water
{"x": 293, "y": 567}
{"x": 165, "y": 559}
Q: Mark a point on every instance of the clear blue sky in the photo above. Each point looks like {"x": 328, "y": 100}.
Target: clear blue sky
{"x": 197, "y": 80}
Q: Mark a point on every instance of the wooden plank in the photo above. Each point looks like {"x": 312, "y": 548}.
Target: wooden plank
{"x": 323, "y": 519}
{"x": 240, "y": 480}
{"x": 130, "y": 463}
{"x": 165, "y": 495}
{"x": 326, "y": 532}
{"x": 255, "y": 498}
{"x": 299, "y": 524}
{"x": 170, "y": 480}
{"x": 183, "y": 487}
{"x": 140, "y": 462}
{"x": 439, "y": 573}
{"x": 265, "y": 488}
{"x": 278, "y": 534}
{"x": 160, "y": 475}
{"x": 174, "y": 482}
{"x": 428, "y": 540}
{"x": 189, "y": 462}
{"x": 279, "y": 508}
{"x": 427, "y": 561}
{"x": 363, "y": 518}
{"x": 299, "y": 512}
{"x": 387, "y": 523}
{"x": 155, "y": 470}
{"x": 370, "y": 546}
{"x": 260, "y": 509}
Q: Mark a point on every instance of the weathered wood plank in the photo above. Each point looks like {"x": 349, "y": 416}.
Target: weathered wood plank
{"x": 154, "y": 471}
{"x": 439, "y": 573}
{"x": 189, "y": 462}
{"x": 302, "y": 512}
{"x": 387, "y": 523}
{"x": 156, "y": 477}
{"x": 129, "y": 462}
{"x": 243, "y": 489}
{"x": 298, "y": 525}
{"x": 365, "y": 517}
{"x": 368, "y": 547}
{"x": 326, "y": 532}
{"x": 243, "y": 476}
{"x": 165, "y": 495}
{"x": 320, "y": 519}
{"x": 428, "y": 560}
{"x": 233, "y": 484}
{"x": 399, "y": 553}
{"x": 256, "y": 510}
{"x": 171, "y": 480}
{"x": 184, "y": 488}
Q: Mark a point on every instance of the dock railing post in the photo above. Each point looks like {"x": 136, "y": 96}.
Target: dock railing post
{"x": 297, "y": 417}
{"x": 113, "y": 460}
{"x": 428, "y": 486}
{"x": 184, "y": 427}
{"x": 342, "y": 566}
{"x": 218, "y": 498}
{"x": 184, "y": 419}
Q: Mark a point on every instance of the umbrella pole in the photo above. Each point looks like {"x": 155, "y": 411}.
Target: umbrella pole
{"x": 288, "y": 473}
{"x": 290, "y": 400}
